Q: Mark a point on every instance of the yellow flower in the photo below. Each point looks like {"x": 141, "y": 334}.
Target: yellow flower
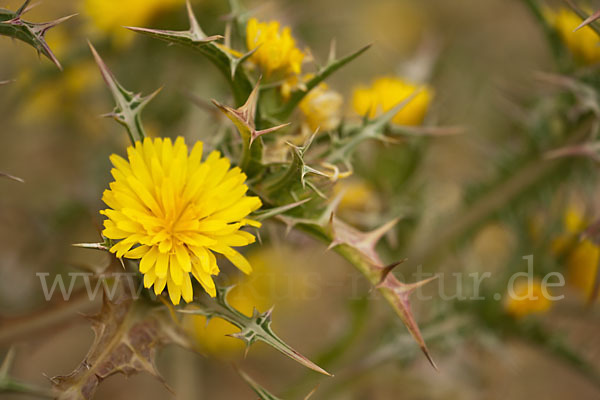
{"x": 358, "y": 195}
{"x": 174, "y": 211}
{"x": 528, "y": 299}
{"x": 582, "y": 256}
{"x": 71, "y": 87}
{"x": 584, "y": 43}
{"x": 109, "y": 16}
{"x": 322, "y": 108}
{"x": 582, "y": 266}
{"x": 276, "y": 50}
{"x": 386, "y": 93}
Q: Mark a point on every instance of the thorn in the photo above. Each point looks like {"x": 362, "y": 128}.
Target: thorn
{"x": 25, "y": 7}
{"x": 386, "y": 270}
{"x": 332, "y": 51}
{"x": 257, "y": 134}
{"x": 429, "y": 358}
{"x": 95, "y": 246}
{"x": 588, "y": 20}
{"x": 375, "y": 235}
{"x": 310, "y": 394}
{"x": 106, "y": 73}
{"x": 194, "y": 25}
{"x": 14, "y": 178}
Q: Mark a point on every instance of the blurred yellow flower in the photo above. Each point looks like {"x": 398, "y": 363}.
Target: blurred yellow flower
{"x": 109, "y": 16}
{"x": 173, "y": 211}
{"x": 70, "y": 87}
{"x": 582, "y": 266}
{"x": 358, "y": 195}
{"x": 322, "y": 108}
{"x": 582, "y": 256}
{"x": 584, "y": 44}
{"x": 528, "y": 299}
{"x": 387, "y": 92}
{"x": 276, "y": 50}
{"x": 273, "y": 281}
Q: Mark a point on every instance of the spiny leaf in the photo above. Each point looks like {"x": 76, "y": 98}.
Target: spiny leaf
{"x": 12, "y": 24}
{"x": 320, "y": 222}
{"x": 260, "y": 391}
{"x": 252, "y": 329}
{"x": 296, "y": 172}
{"x": 361, "y": 241}
{"x": 397, "y": 293}
{"x": 196, "y": 39}
{"x": 359, "y": 248}
{"x": 331, "y": 67}
{"x": 343, "y": 149}
{"x": 243, "y": 118}
{"x": 128, "y": 333}
{"x": 129, "y": 107}
{"x": 193, "y": 37}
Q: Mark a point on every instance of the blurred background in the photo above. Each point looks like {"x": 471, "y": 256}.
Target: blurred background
{"x": 481, "y": 60}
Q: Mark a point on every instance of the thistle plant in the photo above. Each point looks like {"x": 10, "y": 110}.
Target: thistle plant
{"x": 288, "y": 159}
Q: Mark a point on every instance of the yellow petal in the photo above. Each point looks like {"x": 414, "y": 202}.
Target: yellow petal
{"x": 162, "y": 265}
{"x": 149, "y": 278}
{"x": 149, "y": 259}
{"x": 138, "y": 252}
{"x": 176, "y": 274}
{"x": 174, "y": 291}
{"x": 159, "y": 285}
{"x": 186, "y": 289}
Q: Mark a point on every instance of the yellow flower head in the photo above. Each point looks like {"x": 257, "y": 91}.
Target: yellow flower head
{"x": 174, "y": 211}
{"x": 386, "y": 93}
{"x": 358, "y": 195}
{"x": 528, "y": 299}
{"x": 276, "y": 49}
{"x": 322, "y": 108}
{"x": 584, "y": 44}
{"x": 582, "y": 256}
{"x": 109, "y": 16}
